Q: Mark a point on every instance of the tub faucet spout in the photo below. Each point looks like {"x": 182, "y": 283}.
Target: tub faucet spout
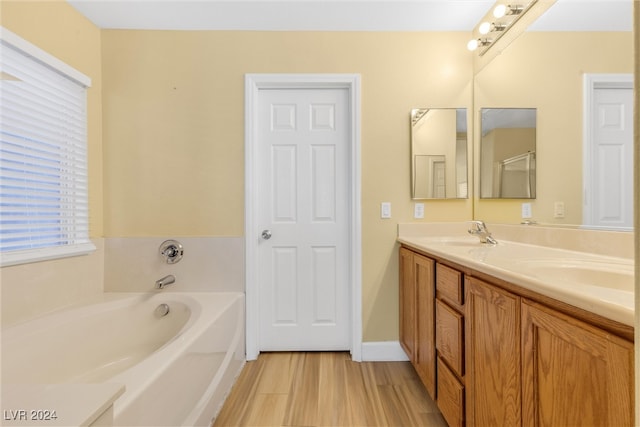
{"x": 166, "y": 280}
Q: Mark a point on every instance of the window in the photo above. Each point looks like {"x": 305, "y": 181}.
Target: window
{"x": 43, "y": 155}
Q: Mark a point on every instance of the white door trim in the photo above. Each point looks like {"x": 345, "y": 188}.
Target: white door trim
{"x": 253, "y": 84}
{"x": 591, "y": 82}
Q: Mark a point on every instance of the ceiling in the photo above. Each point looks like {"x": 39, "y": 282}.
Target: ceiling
{"x": 341, "y": 15}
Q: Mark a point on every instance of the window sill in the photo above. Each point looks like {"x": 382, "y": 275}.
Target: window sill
{"x": 45, "y": 254}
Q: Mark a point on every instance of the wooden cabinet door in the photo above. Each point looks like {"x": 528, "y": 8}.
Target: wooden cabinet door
{"x": 425, "y": 363}
{"x": 573, "y": 374}
{"x": 493, "y": 382}
{"x": 407, "y": 304}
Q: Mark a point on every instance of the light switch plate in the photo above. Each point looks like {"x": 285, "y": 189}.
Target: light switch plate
{"x": 418, "y": 210}
{"x": 385, "y": 210}
{"x": 526, "y": 211}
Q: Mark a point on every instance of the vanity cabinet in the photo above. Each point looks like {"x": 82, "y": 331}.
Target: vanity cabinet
{"x": 417, "y": 330}
{"x": 494, "y": 354}
{"x": 572, "y": 372}
{"x": 432, "y": 329}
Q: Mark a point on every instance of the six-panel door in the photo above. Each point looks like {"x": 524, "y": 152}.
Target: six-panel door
{"x": 304, "y": 269}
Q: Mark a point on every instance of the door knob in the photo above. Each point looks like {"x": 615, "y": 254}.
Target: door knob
{"x": 266, "y": 234}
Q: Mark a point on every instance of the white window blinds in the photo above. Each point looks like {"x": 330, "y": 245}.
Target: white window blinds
{"x": 43, "y": 156}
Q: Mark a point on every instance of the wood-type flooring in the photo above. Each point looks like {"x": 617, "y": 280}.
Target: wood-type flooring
{"x": 313, "y": 389}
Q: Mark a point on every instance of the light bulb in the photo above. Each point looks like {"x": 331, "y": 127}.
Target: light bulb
{"x": 500, "y": 11}
{"x": 484, "y": 28}
{"x": 472, "y": 45}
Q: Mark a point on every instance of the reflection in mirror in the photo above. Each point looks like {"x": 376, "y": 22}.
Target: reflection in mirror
{"x": 439, "y": 153}
{"x": 546, "y": 67}
{"x": 508, "y": 153}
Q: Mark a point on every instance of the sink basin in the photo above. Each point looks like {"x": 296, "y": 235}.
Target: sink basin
{"x": 594, "y": 273}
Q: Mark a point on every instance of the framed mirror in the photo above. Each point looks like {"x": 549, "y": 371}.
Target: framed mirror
{"x": 508, "y": 153}
{"x": 439, "y": 160}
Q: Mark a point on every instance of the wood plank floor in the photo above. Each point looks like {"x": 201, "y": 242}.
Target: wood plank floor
{"x": 327, "y": 389}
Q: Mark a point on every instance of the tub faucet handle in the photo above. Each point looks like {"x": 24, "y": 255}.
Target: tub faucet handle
{"x": 172, "y": 251}
{"x": 166, "y": 280}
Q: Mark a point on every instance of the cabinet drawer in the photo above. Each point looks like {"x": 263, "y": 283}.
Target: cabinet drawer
{"x": 450, "y": 336}
{"x": 450, "y": 396}
{"x": 449, "y": 284}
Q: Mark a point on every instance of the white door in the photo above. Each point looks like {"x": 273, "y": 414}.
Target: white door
{"x": 439, "y": 184}
{"x": 609, "y": 195}
{"x": 303, "y": 146}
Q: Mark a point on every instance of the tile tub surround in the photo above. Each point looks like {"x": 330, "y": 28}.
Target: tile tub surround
{"x": 512, "y": 261}
{"x": 216, "y": 264}
{"x": 32, "y": 289}
{"x": 600, "y": 242}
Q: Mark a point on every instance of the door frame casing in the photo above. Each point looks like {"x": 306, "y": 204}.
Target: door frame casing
{"x": 591, "y": 82}
{"x": 254, "y": 83}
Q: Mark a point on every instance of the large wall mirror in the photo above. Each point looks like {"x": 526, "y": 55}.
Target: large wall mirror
{"x": 439, "y": 159}
{"x": 546, "y": 68}
{"x": 508, "y": 153}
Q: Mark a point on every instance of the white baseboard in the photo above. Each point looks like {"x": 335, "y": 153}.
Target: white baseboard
{"x": 383, "y": 351}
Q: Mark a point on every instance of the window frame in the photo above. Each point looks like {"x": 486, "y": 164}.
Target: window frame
{"x": 23, "y": 256}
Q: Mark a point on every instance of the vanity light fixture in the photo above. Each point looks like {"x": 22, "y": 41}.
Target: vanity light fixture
{"x": 508, "y": 14}
{"x": 417, "y": 114}
{"x": 507, "y": 9}
{"x": 486, "y": 27}
{"x": 476, "y": 43}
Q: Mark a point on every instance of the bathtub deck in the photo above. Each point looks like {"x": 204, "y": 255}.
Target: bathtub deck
{"x": 327, "y": 389}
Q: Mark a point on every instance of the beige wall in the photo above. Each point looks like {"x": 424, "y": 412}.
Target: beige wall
{"x": 544, "y": 71}
{"x": 174, "y": 132}
{"x": 30, "y": 289}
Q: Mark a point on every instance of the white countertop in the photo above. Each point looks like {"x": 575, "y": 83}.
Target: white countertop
{"x": 597, "y": 283}
{"x": 56, "y": 404}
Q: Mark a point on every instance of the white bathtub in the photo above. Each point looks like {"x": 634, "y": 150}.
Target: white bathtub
{"x": 177, "y": 369}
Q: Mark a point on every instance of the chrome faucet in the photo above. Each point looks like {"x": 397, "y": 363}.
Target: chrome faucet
{"x": 479, "y": 228}
{"x": 166, "y": 280}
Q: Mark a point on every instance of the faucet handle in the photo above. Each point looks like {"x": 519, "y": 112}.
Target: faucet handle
{"x": 172, "y": 251}
{"x": 477, "y": 226}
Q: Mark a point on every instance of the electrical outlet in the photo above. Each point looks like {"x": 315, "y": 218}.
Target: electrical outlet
{"x": 418, "y": 210}
{"x": 526, "y": 211}
{"x": 558, "y": 210}
{"x": 385, "y": 210}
